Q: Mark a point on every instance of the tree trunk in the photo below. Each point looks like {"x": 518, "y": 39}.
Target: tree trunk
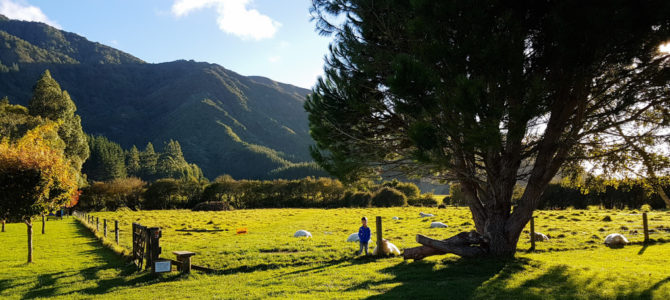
{"x": 3, "y": 225}
{"x": 664, "y": 196}
{"x": 29, "y": 224}
{"x": 465, "y": 244}
{"x": 43, "y": 223}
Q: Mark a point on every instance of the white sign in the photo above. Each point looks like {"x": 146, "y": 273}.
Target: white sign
{"x": 163, "y": 266}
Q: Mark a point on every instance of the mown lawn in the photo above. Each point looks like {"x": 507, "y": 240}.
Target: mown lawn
{"x": 269, "y": 263}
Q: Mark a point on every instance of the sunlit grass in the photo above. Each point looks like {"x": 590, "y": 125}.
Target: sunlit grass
{"x": 269, "y": 263}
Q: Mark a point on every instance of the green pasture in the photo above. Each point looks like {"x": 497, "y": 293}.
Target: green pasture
{"x": 268, "y": 262}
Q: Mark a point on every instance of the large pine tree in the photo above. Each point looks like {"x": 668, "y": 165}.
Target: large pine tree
{"x": 486, "y": 93}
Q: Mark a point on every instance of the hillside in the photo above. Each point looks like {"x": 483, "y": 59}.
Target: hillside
{"x": 226, "y": 123}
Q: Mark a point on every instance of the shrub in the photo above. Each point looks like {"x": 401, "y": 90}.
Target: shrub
{"x": 359, "y": 199}
{"x": 645, "y": 208}
{"x": 164, "y": 194}
{"x": 456, "y": 195}
{"x": 211, "y": 206}
{"x": 388, "y": 197}
{"x": 427, "y": 200}
{"x": 112, "y": 195}
{"x": 409, "y": 189}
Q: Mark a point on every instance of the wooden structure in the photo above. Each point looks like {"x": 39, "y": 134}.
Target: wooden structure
{"x": 146, "y": 245}
{"x": 379, "y": 236}
{"x": 532, "y": 233}
{"x": 116, "y": 231}
{"x": 139, "y": 243}
{"x": 184, "y": 260}
{"x": 645, "y": 226}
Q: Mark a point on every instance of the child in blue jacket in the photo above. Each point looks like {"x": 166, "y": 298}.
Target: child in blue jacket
{"x": 364, "y": 236}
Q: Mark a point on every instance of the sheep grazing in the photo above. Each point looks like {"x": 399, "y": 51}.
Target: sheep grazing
{"x": 438, "y": 225}
{"x": 302, "y": 233}
{"x": 423, "y": 215}
{"x": 395, "y": 218}
{"x": 615, "y": 240}
{"x": 541, "y": 237}
{"x": 387, "y": 248}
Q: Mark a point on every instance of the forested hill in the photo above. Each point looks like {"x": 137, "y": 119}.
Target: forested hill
{"x": 226, "y": 123}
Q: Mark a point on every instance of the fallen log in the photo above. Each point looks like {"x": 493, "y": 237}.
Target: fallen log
{"x": 464, "y": 244}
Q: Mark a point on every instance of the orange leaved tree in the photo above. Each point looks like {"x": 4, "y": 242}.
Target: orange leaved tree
{"x": 35, "y": 176}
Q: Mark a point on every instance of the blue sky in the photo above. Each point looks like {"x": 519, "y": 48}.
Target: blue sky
{"x": 272, "y": 38}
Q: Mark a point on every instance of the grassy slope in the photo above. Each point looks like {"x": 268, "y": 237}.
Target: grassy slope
{"x": 269, "y": 262}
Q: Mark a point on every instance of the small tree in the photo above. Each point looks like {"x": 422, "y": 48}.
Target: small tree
{"x": 35, "y": 176}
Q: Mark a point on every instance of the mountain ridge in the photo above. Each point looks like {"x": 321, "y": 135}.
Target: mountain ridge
{"x": 227, "y": 123}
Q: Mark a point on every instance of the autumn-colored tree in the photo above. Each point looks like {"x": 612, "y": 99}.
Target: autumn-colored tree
{"x": 35, "y": 176}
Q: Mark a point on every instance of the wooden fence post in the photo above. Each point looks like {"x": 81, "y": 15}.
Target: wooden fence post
{"x": 29, "y": 224}
{"x": 3, "y": 225}
{"x": 532, "y": 233}
{"x": 645, "y": 225}
{"x": 379, "y": 236}
{"x": 116, "y": 231}
{"x": 97, "y": 223}
{"x": 104, "y": 227}
{"x": 43, "y": 223}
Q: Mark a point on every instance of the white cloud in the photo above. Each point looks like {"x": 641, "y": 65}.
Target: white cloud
{"x": 274, "y": 58}
{"x": 234, "y": 17}
{"x": 284, "y": 45}
{"x": 21, "y": 10}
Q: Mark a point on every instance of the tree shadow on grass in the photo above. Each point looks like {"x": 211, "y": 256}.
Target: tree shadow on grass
{"x": 492, "y": 279}
{"x": 452, "y": 279}
{"x": 47, "y": 284}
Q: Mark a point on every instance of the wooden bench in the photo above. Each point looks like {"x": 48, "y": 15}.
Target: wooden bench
{"x": 184, "y": 259}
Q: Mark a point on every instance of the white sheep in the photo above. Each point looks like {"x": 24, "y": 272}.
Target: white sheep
{"x": 302, "y": 233}
{"x": 438, "y": 225}
{"x": 387, "y": 247}
{"x": 424, "y": 215}
{"x": 354, "y": 238}
{"x": 395, "y": 218}
{"x": 615, "y": 240}
{"x": 540, "y": 237}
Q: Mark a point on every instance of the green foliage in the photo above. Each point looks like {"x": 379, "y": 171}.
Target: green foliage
{"x": 618, "y": 194}
{"x": 409, "y": 189}
{"x": 171, "y": 164}
{"x": 357, "y": 199}
{"x": 107, "y": 160}
{"x": 15, "y": 120}
{"x": 50, "y": 102}
{"x": 297, "y": 171}
{"x": 171, "y": 193}
{"x": 427, "y": 200}
{"x": 148, "y": 162}
{"x": 472, "y": 91}
{"x": 456, "y": 197}
{"x": 133, "y": 167}
{"x": 388, "y": 197}
{"x": 112, "y": 195}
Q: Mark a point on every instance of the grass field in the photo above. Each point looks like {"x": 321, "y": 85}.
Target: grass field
{"x": 269, "y": 263}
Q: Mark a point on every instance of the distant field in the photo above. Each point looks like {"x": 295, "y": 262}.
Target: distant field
{"x": 269, "y": 262}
